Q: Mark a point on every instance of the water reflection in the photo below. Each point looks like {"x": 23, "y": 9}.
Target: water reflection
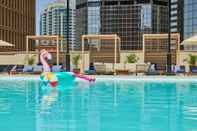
{"x": 124, "y": 106}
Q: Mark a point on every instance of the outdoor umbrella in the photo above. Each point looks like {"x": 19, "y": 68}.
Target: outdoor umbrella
{"x": 4, "y": 43}
{"x": 190, "y": 41}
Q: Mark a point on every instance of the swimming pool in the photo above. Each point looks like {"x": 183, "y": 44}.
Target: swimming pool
{"x": 136, "y": 104}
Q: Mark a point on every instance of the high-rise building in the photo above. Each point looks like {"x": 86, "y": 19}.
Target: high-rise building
{"x": 190, "y": 18}
{"x": 129, "y": 19}
{"x": 17, "y": 20}
{"x": 177, "y": 17}
{"x": 53, "y": 21}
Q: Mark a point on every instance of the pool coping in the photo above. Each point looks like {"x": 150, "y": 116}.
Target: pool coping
{"x": 111, "y": 77}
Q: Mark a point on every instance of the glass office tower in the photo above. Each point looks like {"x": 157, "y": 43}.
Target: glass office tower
{"x": 190, "y": 18}
{"x": 130, "y": 19}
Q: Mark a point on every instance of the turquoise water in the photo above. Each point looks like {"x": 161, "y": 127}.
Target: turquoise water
{"x": 107, "y": 105}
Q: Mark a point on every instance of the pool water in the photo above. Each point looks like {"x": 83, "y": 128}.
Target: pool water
{"x": 107, "y": 105}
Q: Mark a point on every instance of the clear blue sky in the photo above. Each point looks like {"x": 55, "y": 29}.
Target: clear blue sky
{"x": 39, "y": 6}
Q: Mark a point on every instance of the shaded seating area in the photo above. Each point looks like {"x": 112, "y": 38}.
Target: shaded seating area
{"x": 113, "y": 56}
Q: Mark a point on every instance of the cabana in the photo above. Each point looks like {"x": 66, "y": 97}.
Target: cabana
{"x": 4, "y": 43}
{"x": 190, "y": 41}
{"x": 49, "y": 38}
{"x": 114, "y": 37}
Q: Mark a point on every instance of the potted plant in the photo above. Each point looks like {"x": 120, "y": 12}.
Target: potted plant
{"x": 192, "y": 61}
{"x": 75, "y": 62}
{"x": 131, "y": 59}
{"x": 30, "y": 60}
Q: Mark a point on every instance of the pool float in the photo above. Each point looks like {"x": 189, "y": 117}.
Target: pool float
{"x": 57, "y": 79}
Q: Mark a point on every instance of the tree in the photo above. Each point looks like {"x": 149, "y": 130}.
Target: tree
{"x": 132, "y": 58}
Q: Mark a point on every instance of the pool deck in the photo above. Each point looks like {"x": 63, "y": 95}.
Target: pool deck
{"x": 111, "y": 77}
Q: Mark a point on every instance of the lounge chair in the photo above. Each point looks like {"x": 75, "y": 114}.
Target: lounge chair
{"x": 13, "y": 70}
{"x": 37, "y": 69}
{"x": 152, "y": 70}
{"x": 180, "y": 70}
{"x": 193, "y": 70}
{"x": 56, "y": 68}
{"x": 16, "y": 69}
{"x": 19, "y": 68}
{"x": 9, "y": 68}
{"x": 3, "y": 68}
{"x": 28, "y": 69}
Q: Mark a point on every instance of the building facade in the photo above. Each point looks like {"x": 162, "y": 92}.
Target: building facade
{"x": 129, "y": 19}
{"x": 17, "y": 20}
{"x": 190, "y": 18}
{"x": 53, "y": 21}
{"x": 177, "y": 17}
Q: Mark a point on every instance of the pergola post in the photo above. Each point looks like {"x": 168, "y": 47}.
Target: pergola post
{"x": 57, "y": 54}
{"x": 82, "y": 56}
{"x": 115, "y": 55}
{"x": 27, "y": 47}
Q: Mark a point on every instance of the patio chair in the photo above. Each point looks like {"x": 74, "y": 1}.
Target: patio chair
{"x": 37, "y": 69}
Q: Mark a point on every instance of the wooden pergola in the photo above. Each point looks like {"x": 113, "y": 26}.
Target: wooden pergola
{"x": 48, "y": 38}
{"x": 114, "y": 37}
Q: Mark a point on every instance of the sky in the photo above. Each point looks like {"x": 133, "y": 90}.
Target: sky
{"x": 39, "y": 6}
